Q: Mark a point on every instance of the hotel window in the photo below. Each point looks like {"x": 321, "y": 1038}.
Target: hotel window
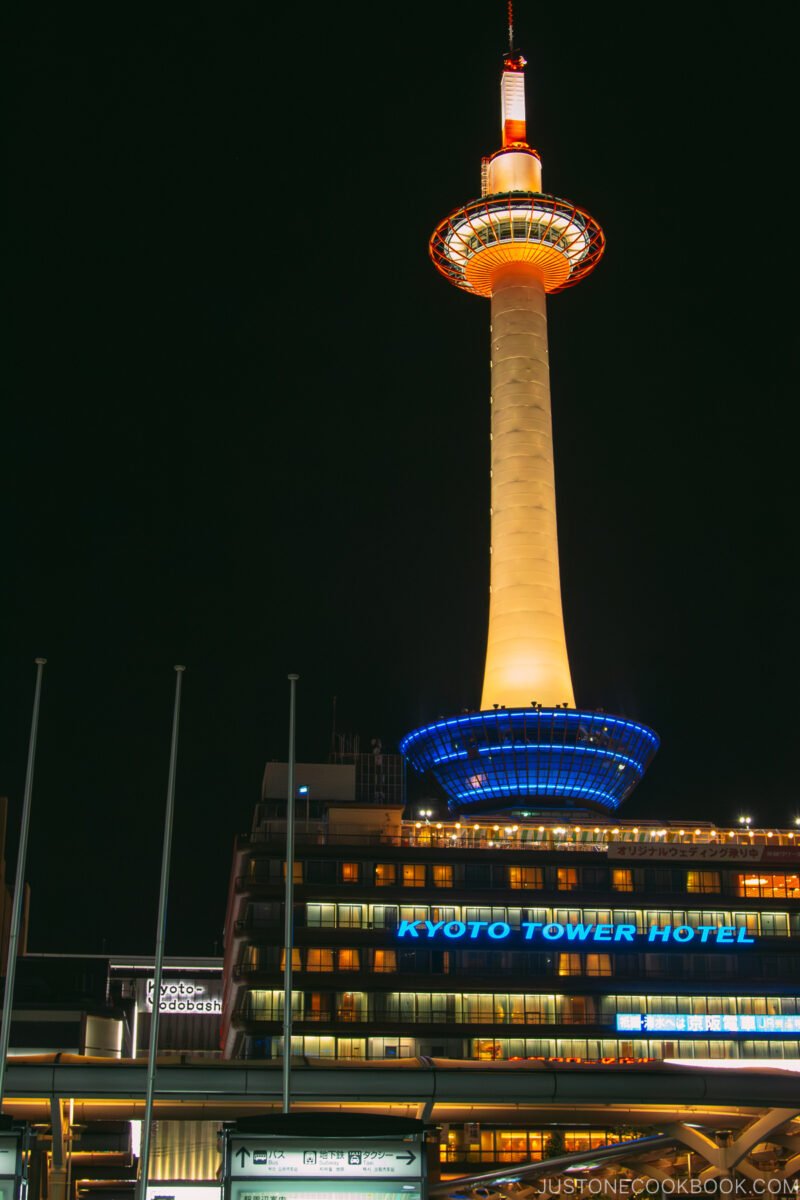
{"x": 525, "y": 877}
{"x": 351, "y": 872}
{"x": 349, "y": 1006}
{"x": 413, "y": 875}
{"x": 297, "y": 872}
{"x": 485, "y": 912}
{"x": 384, "y": 960}
{"x": 385, "y": 874}
{"x": 319, "y": 960}
{"x": 758, "y": 883}
{"x": 351, "y": 916}
{"x": 622, "y": 879}
{"x": 318, "y": 1006}
{"x": 597, "y": 916}
{"x": 569, "y": 916}
{"x": 321, "y": 916}
{"x": 567, "y": 879}
{"x": 442, "y": 875}
{"x": 384, "y": 916}
{"x": 598, "y": 964}
{"x": 570, "y": 964}
{"x": 296, "y": 963}
{"x": 702, "y": 881}
{"x": 349, "y": 960}
{"x": 416, "y": 912}
{"x": 750, "y": 922}
{"x": 774, "y": 924}
{"x": 318, "y": 871}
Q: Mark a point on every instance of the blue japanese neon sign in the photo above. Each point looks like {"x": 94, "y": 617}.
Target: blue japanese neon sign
{"x": 555, "y": 931}
{"x": 705, "y": 1023}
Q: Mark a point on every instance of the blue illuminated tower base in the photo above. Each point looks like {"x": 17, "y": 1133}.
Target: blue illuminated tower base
{"x": 542, "y": 758}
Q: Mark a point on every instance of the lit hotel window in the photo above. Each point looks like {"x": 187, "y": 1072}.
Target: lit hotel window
{"x": 622, "y": 880}
{"x": 702, "y": 881}
{"x": 525, "y": 877}
{"x": 349, "y": 960}
{"x": 385, "y": 960}
{"x": 598, "y": 964}
{"x": 757, "y": 883}
{"x": 297, "y": 872}
{"x": 442, "y": 875}
{"x": 570, "y": 964}
{"x": 384, "y": 874}
{"x": 319, "y": 960}
{"x": 567, "y": 878}
{"x": 413, "y": 875}
{"x": 351, "y": 872}
{"x": 296, "y": 964}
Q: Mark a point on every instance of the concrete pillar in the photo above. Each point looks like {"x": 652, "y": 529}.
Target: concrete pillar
{"x": 526, "y": 656}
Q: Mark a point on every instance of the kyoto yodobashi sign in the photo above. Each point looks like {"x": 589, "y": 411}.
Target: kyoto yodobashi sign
{"x": 184, "y": 996}
{"x": 302, "y": 1164}
{"x": 556, "y": 931}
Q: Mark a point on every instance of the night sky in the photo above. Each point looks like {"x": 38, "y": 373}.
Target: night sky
{"x": 247, "y": 422}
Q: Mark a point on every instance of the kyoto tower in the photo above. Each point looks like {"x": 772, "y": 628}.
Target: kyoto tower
{"x": 529, "y": 747}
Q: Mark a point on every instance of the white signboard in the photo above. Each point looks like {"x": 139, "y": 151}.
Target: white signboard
{"x": 8, "y": 1156}
{"x": 184, "y": 996}
{"x": 331, "y": 1158}
{"x": 184, "y": 1191}
{"x": 331, "y": 1189}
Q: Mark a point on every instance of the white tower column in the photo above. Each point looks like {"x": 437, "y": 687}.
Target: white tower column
{"x": 526, "y": 657}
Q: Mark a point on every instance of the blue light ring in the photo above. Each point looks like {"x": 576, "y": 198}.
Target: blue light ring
{"x": 534, "y": 749}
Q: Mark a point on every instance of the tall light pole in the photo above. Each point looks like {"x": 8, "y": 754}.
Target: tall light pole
{"x": 161, "y": 930}
{"x": 19, "y": 886}
{"x": 288, "y": 924}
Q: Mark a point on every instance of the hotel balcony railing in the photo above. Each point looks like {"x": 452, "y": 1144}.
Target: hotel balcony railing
{"x": 464, "y": 835}
{"x": 330, "y": 1017}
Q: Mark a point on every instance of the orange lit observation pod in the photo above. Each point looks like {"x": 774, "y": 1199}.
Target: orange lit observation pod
{"x": 515, "y": 245}
{"x": 558, "y": 239}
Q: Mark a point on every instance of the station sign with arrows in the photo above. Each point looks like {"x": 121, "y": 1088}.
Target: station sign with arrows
{"x": 257, "y": 1157}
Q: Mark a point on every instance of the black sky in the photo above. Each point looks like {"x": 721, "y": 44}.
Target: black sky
{"x": 247, "y": 423}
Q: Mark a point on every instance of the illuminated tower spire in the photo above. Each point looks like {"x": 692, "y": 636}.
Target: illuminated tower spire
{"x": 515, "y": 245}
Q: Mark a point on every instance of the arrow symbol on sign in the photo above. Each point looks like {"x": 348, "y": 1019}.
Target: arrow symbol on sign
{"x": 408, "y": 1157}
{"x": 242, "y": 1153}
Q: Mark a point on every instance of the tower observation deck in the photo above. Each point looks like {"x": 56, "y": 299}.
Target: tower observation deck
{"x": 528, "y": 746}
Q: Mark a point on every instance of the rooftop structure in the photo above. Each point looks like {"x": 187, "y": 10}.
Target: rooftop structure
{"x": 515, "y": 245}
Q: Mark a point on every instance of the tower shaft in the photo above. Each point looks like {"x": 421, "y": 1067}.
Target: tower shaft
{"x": 526, "y": 656}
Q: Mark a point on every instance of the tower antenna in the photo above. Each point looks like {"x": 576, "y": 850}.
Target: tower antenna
{"x": 510, "y": 27}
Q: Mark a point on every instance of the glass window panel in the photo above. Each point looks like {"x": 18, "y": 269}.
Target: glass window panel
{"x": 319, "y": 960}
{"x": 348, "y": 960}
{"x": 702, "y": 881}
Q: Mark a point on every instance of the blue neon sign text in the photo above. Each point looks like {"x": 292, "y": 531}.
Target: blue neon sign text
{"x": 555, "y": 931}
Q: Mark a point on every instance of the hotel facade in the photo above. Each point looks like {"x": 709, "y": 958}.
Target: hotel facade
{"x": 534, "y": 939}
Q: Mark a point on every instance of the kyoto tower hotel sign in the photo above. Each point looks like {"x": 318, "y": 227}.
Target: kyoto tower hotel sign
{"x": 529, "y": 747}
